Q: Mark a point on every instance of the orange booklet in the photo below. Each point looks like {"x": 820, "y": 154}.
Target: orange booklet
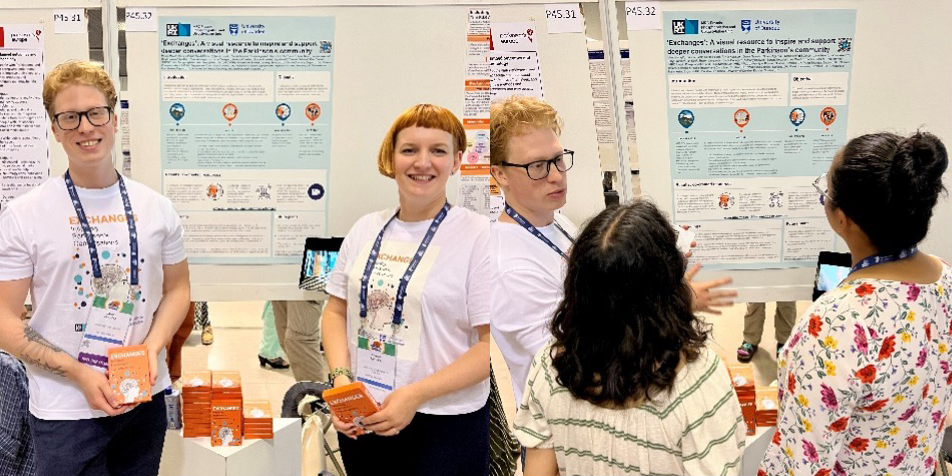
{"x": 226, "y": 423}
{"x": 351, "y": 403}
{"x": 129, "y": 374}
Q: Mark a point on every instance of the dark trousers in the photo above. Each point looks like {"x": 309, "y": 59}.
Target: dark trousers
{"x": 431, "y": 445}
{"x": 126, "y": 445}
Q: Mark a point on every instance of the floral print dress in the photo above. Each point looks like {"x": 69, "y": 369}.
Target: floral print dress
{"x": 865, "y": 382}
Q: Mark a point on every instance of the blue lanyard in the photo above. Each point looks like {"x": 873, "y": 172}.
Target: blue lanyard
{"x": 884, "y": 258}
{"x": 405, "y": 280}
{"x": 91, "y": 242}
{"x": 538, "y": 234}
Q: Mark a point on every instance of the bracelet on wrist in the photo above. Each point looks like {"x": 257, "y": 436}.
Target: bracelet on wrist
{"x": 337, "y": 372}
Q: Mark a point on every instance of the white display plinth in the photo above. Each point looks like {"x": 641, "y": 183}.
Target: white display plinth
{"x": 756, "y": 449}
{"x": 197, "y": 457}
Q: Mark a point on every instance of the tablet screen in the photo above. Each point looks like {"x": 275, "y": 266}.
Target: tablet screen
{"x": 832, "y": 268}
{"x": 320, "y": 256}
{"x": 829, "y": 276}
{"x": 319, "y": 262}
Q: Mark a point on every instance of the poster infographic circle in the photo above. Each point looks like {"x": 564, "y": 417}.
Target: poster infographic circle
{"x": 283, "y": 111}
{"x": 797, "y": 116}
{"x": 312, "y": 111}
{"x": 828, "y": 116}
{"x": 686, "y": 118}
{"x": 229, "y": 112}
{"x": 177, "y": 111}
{"x": 741, "y": 117}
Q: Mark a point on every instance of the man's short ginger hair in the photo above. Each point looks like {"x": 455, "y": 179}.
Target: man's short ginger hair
{"x": 429, "y": 116}
{"x": 73, "y": 72}
{"x": 514, "y": 116}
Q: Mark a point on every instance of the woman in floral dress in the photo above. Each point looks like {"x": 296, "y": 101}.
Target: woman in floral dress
{"x": 865, "y": 378}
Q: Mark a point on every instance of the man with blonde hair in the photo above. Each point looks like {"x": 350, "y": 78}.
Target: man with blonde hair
{"x": 529, "y": 246}
{"x": 104, "y": 259}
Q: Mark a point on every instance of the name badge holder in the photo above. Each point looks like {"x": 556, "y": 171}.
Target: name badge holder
{"x": 377, "y": 360}
{"x": 109, "y": 318}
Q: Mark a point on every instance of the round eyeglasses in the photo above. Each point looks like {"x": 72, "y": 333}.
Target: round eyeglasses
{"x": 539, "y": 169}
{"x": 823, "y": 191}
{"x": 70, "y": 120}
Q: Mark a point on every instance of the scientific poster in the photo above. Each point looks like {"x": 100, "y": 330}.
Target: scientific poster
{"x": 246, "y": 133}
{"x": 473, "y": 192}
{"x": 514, "y": 61}
{"x": 757, "y": 107}
{"x": 24, "y": 151}
{"x": 126, "y": 134}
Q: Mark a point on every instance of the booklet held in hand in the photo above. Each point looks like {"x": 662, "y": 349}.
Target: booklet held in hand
{"x": 351, "y": 403}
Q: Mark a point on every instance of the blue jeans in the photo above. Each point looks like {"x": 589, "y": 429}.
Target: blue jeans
{"x": 125, "y": 445}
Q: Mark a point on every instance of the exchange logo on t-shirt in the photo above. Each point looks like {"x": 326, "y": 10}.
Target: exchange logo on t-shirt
{"x": 392, "y": 262}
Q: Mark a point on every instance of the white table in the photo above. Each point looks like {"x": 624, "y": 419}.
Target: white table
{"x": 280, "y": 456}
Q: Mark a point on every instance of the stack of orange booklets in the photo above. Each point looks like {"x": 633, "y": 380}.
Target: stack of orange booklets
{"x": 743, "y": 378}
{"x": 129, "y": 374}
{"x": 258, "y": 424}
{"x": 197, "y": 403}
{"x": 351, "y": 403}
{"x": 226, "y": 408}
{"x": 767, "y": 405}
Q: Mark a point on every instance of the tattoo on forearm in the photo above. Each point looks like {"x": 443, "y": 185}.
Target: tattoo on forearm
{"x": 38, "y": 350}
{"x": 54, "y": 369}
{"x": 33, "y": 336}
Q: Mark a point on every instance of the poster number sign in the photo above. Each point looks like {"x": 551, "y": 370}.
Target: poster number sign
{"x": 643, "y": 15}
{"x": 564, "y": 18}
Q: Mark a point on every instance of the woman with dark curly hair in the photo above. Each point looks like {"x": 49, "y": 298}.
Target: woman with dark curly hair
{"x": 865, "y": 379}
{"x": 627, "y": 386}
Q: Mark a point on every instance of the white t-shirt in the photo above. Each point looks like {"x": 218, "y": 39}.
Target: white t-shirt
{"x": 40, "y": 238}
{"x": 527, "y": 279}
{"x": 447, "y": 297}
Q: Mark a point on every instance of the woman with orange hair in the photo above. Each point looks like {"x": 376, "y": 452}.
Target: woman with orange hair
{"x": 409, "y": 312}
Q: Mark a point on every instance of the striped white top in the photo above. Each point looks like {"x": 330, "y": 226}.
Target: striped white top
{"x": 697, "y": 429}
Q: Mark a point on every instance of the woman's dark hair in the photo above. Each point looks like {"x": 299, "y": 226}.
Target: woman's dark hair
{"x": 625, "y": 320}
{"x": 888, "y": 185}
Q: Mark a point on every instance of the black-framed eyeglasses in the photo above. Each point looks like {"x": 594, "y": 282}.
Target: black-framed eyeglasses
{"x": 70, "y": 120}
{"x": 539, "y": 169}
{"x": 823, "y": 191}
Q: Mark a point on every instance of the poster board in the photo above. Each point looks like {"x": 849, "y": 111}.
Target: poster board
{"x": 381, "y": 67}
{"x": 891, "y": 90}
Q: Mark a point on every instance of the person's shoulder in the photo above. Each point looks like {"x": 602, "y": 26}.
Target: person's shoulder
{"x": 136, "y": 186}
{"x": 849, "y": 297}
{"x": 542, "y": 363}
{"x": 469, "y": 218}
{"x": 371, "y": 223}
{"x": 946, "y": 276}
{"x": 708, "y": 369}
{"x": 503, "y": 230}
{"x": 142, "y": 191}
{"x": 139, "y": 188}
{"x": 566, "y": 224}
{"x": 40, "y": 195}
